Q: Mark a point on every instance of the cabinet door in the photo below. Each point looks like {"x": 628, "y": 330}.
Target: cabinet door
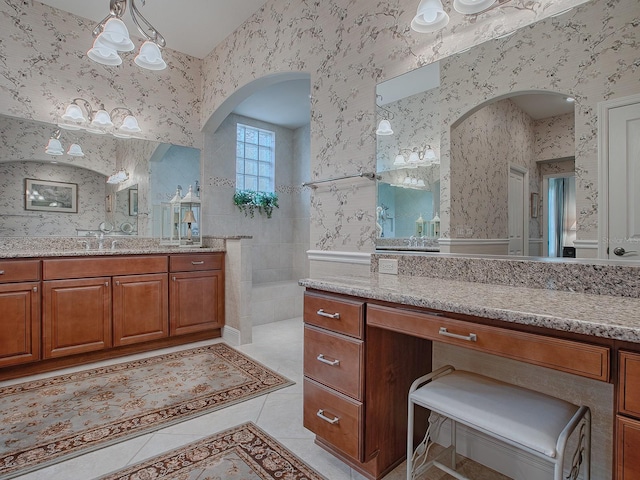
{"x": 628, "y": 447}
{"x": 20, "y": 326}
{"x": 196, "y": 301}
{"x": 76, "y": 316}
{"x": 140, "y": 308}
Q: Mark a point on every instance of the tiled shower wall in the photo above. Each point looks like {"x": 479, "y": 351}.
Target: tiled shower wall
{"x": 277, "y": 243}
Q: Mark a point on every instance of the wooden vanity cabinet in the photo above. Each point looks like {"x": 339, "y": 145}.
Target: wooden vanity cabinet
{"x": 628, "y": 418}
{"x": 196, "y": 293}
{"x": 356, "y": 382}
{"x": 20, "y": 307}
{"x": 83, "y": 312}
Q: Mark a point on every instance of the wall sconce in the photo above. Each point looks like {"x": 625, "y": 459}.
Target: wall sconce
{"x": 98, "y": 121}
{"x": 384, "y": 127}
{"x": 430, "y": 17}
{"x": 112, "y": 36}
{"x": 416, "y": 157}
{"x": 54, "y": 146}
{"x": 118, "y": 177}
{"x": 472, "y": 7}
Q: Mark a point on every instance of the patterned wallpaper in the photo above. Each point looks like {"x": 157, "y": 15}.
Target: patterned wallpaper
{"x": 555, "y": 137}
{"x": 44, "y": 66}
{"x": 26, "y": 140}
{"x": 482, "y": 148}
{"x": 348, "y": 46}
{"x": 16, "y": 221}
{"x": 591, "y": 54}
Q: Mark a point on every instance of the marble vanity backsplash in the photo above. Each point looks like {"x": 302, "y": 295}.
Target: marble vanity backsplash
{"x": 44, "y": 245}
{"x": 593, "y": 277}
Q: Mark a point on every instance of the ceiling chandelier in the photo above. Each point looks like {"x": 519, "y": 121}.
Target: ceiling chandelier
{"x": 111, "y": 36}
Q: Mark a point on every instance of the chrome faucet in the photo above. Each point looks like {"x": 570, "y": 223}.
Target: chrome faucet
{"x": 100, "y": 238}
{"x": 413, "y": 240}
{"x": 113, "y": 244}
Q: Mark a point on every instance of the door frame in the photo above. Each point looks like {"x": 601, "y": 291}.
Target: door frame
{"x": 603, "y": 168}
{"x": 544, "y": 215}
{"x": 526, "y": 205}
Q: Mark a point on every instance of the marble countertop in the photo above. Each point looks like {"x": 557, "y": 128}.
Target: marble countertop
{"x": 105, "y": 252}
{"x": 596, "y": 315}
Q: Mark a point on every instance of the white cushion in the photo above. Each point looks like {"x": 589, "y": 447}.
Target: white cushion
{"x": 523, "y": 416}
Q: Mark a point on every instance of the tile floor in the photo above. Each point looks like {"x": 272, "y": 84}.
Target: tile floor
{"x": 278, "y": 345}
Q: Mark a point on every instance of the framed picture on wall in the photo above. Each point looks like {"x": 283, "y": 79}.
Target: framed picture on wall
{"x": 534, "y": 205}
{"x": 47, "y": 196}
{"x": 133, "y": 202}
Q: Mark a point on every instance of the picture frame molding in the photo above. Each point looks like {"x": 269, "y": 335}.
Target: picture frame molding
{"x": 29, "y": 203}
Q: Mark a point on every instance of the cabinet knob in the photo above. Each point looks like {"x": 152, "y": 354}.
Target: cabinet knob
{"x": 35, "y": 289}
{"x": 117, "y": 283}
{"x": 173, "y": 278}
{"x": 106, "y": 284}
{"x": 1, "y": 272}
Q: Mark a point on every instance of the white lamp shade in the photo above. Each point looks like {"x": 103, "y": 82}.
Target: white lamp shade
{"x": 104, "y": 54}
{"x": 130, "y": 125}
{"x": 116, "y": 36}
{"x": 54, "y": 147}
{"x": 384, "y": 128}
{"x": 471, "y": 7}
{"x": 101, "y": 121}
{"x": 150, "y": 57}
{"x": 75, "y": 150}
{"x": 430, "y": 17}
{"x": 414, "y": 158}
{"x": 73, "y": 113}
{"x": 430, "y": 154}
{"x": 407, "y": 181}
{"x": 421, "y": 183}
{"x": 399, "y": 161}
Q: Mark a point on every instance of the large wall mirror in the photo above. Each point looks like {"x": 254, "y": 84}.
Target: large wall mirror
{"x": 132, "y": 207}
{"x": 495, "y": 150}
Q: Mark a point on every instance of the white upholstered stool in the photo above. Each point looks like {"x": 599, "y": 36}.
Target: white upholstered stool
{"x": 529, "y": 420}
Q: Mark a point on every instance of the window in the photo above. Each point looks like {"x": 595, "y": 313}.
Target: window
{"x": 255, "y": 159}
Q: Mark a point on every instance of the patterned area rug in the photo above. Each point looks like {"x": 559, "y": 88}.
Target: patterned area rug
{"x": 45, "y": 421}
{"x": 241, "y": 453}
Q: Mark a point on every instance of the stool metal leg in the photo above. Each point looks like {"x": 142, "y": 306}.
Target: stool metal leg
{"x": 454, "y": 445}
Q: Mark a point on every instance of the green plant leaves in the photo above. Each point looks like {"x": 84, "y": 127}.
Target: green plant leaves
{"x": 250, "y": 200}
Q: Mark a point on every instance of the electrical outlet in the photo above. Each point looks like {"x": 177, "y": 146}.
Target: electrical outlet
{"x": 388, "y": 265}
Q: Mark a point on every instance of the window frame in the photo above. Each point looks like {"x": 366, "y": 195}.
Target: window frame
{"x": 258, "y": 161}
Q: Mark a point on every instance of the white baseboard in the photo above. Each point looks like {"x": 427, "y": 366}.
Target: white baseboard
{"x": 231, "y": 336}
{"x": 499, "y": 456}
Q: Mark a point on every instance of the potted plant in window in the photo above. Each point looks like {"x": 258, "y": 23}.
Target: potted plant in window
{"x": 250, "y": 200}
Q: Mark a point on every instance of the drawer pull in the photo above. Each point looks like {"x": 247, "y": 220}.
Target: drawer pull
{"x": 322, "y": 313}
{"x": 327, "y": 419}
{"x": 472, "y": 337}
{"x": 201, "y": 262}
{"x": 1, "y": 272}
{"x": 333, "y": 363}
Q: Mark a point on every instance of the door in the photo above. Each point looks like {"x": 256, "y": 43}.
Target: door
{"x": 624, "y": 182}
{"x": 140, "y": 308}
{"x": 76, "y": 316}
{"x": 517, "y": 205}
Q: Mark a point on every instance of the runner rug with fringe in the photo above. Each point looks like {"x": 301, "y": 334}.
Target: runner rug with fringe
{"x": 49, "y": 420}
{"x": 244, "y": 452}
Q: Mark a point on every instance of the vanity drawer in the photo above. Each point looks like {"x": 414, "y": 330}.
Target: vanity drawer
{"x": 334, "y": 360}
{"x": 65, "y": 268}
{"x": 591, "y": 361}
{"x": 195, "y": 262}
{"x": 335, "y": 418}
{"x": 19, "y": 271}
{"x": 629, "y": 384}
{"x": 334, "y": 313}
